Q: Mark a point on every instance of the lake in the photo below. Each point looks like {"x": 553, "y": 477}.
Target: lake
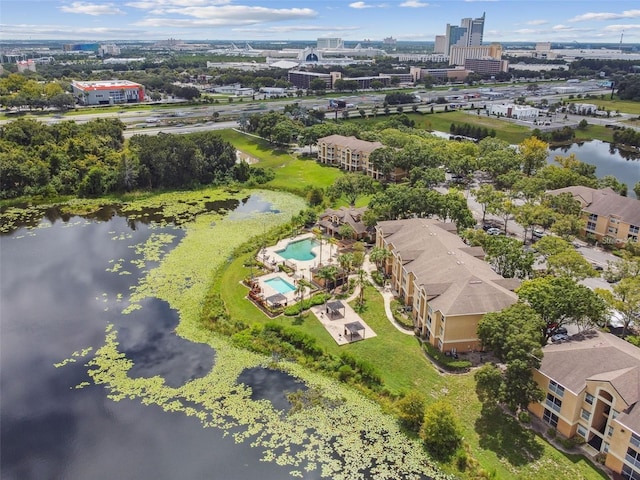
{"x": 60, "y": 288}
{"x": 608, "y": 160}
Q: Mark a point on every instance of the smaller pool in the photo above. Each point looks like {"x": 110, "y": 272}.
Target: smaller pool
{"x": 280, "y": 285}
{"x": 300, "y": 250}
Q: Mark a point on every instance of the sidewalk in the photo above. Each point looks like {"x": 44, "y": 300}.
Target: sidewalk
{"x": 386, "y": 293}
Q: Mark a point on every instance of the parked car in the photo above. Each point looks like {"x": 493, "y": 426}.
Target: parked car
{"x": 559, "y": 337}
{"x": 489, "y": 225}
{"x": 538, "y": 232}
{"x": 494, "y": 231}
{"x": 597, "y": 267}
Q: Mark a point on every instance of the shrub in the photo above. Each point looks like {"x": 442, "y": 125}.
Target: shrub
{"x": 551, "y": 432}
{"x": 524, "y": 417}
{"x": 448, "y": 363}
{"x": 378, "y": 278}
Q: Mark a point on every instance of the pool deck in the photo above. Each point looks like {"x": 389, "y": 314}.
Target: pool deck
{"x": 268, "y": 291}
{"x": 270, "y": 256}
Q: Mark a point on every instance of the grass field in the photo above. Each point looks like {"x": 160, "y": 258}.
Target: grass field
{"x": 292, "y": 174}
{"x": 503, "y": 448}
{"x": 622, "y": 106}
{"x": 505, "y": 130}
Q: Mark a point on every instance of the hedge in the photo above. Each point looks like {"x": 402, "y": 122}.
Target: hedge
{"x": 446, "y": 362}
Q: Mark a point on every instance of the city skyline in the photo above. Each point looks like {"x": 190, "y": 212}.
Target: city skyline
{"x": 405, "y": 20}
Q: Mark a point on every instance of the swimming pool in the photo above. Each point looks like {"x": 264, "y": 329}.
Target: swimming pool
{"x": 280, "y": 285}
{"x": 300, "y": 250}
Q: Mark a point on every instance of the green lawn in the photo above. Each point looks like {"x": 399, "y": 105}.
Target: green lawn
{"x": 501, "y": 446}
{"x": 292, "y": 174}
{"x": 505, "y": 130}
{"x": 622, "y": 106}
{"x": 597, "y": 132}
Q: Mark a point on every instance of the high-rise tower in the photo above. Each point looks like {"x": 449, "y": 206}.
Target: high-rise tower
{"x": 468, "y": 34}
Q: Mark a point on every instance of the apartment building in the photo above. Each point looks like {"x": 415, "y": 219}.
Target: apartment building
{"x": 486, "y": 66}
{"x": 353, "y": 155}
{"x": 592, "y": 388}
{"x": 447, "y": 284}
{"x": 458, "y": 54}
{"x": 609, "y": 217}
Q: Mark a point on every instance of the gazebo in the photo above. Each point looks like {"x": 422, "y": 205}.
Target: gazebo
{"x": 353, "y": 328}
{"x": 333, "y": 308}
{"x": 276, "y": 300}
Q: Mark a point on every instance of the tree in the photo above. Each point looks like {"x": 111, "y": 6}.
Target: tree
{"x": 361, "y": 283}
{"x": 379, "y": 256}
{"x": 625, "y": 298}
{"x": 440, "y": 431}
{"x": 527, "y": 216}
{"x": 550, "y": 245}
{"x": 636, "y": 189}
{"x": 571, "y": 264}
{"x": 504, "y": 208}
{"x": 455, "y": 207}
{"x": 533, "y": 152}
{"x": 346, "y": 231}
{"x": 318, "y": 85}
{"x": 345, "y": 261}
{"x": 488, "y": 197}
{"x": 328, "y": 274}
{"x": 352, "y": 185}
{"x": 561, "y": 301}
{"x": 567, "y": 226}
{"x": 515, "y": 335}
{"x": 507, "y": 257}
{"x": 411, "y": 408}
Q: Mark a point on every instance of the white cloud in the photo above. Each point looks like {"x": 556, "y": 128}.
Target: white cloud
{"x": 585, "y": 17}
{"x": 20, "y": 31}
{"x": 537, "y": 22}
{"x": 228, "y": 15}
{"x": 414, "y": 4}
{"x": 360, "y": 5}
{"x": 620, "y": 28}
{"x": 92, "y": 8}
{"x": 293, "y": 28}
{"x": 155, "y": 4}
{"x": 525, "y": 31}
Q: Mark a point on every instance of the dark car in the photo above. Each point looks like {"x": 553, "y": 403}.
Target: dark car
{"x": 489, "y": 225}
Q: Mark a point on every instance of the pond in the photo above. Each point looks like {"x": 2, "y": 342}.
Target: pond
{"x": 608, "y": 160}
{"x": 61, "y": 284}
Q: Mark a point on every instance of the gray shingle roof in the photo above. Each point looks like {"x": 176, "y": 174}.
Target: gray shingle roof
{"x": 600, "y": 357}
{"x": 605, "y": 202}
{"x": 455, "y": 279}
{"x": 352, "y": 143}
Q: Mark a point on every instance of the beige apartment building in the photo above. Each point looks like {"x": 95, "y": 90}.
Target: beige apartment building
{"x": 353, "y": 155}
{"x": 592, "y": 388}
{"x": 447, "y": 284}
{"x": 609, "y": 217}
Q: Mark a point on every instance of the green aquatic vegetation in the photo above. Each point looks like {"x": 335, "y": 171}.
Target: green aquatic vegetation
{"x": 337, "y": 430}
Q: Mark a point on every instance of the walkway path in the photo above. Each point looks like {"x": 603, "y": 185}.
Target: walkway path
{"x": 369, "y": 267}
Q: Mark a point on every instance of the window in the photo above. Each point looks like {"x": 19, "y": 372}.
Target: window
{"x": 635, "y": 440}
{"x": 612, "y": 230}
{"x": 629, "y": 474}
{"x": 615, "y": 414}
{"x": 605, "y": 448}
{"x": 556, "y": 388}
{"x": 582, "y": 430}
{"x": 550, "y": 418}
{"x": 591, "y": 226}
{"x": 610, "y": 431}
{"x": 429, "y": 320}
{"x": 589, "y": 399}
{"x": 593, "y": 217}
{"x": 553, "y": 402}
{"x": 632, "y": 457}
{"x": 634, "y": 229}
{"x": 585, "y": 415}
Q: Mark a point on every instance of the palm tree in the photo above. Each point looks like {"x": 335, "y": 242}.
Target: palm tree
{"x": 379, "y": 256}
{"x": 361, "y": 282}
{"x": 346, "y": 231}
{"x": 332, "y": 242}
{"x": 327, "y": 273}
{"x": 318, "y": 233}
{"x": 345, "y": 261}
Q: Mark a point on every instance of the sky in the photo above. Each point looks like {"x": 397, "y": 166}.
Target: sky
{"x": 405, "y": 20}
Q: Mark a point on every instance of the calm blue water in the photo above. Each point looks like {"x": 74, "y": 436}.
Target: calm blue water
{"x": 57, "y": 297}
{"x": 280, "y": 285}
{"x": 300, "y": 250}
{"x": 608, "y": 161}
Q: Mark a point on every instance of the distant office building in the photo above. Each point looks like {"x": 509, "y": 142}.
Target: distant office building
{"x": 107, "y": 92}
{"x": 486, "y": 66}
{"x": 458, "y": 74}
{"x": 423, "y": 57}
{"x": 543, "y": 46}
{"x": 440, "y": 44}
{"x": 80, "y": 47}
{"x": 326, "y": 43}
{"x": 518, "y": 112}
{"x": 468, "y": 34}
{"x": 389, "y": 41}
{"x": 109, "y": 49}
{"x": 302, "y": 79}
{"x": 458, "y": 55}
{"x": 26, "y": 65}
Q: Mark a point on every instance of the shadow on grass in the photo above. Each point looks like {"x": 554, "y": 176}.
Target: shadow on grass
{"x": 299, "y": 319}
{"x": 503, "y": 435}
{"x": 577, "y": 458}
